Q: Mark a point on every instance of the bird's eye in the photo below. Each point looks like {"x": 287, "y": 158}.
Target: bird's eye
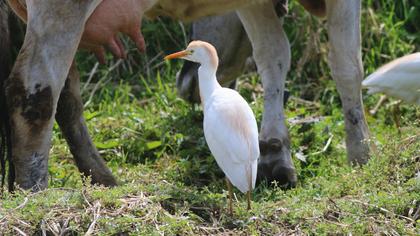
{"x": 191, "y": 52}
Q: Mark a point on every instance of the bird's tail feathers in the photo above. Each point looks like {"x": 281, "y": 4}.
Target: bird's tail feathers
{"x": 371, "y": 79}
{"x": 252, "y": 168}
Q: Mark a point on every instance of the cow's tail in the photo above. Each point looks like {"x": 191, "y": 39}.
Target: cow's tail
{"x": 5, "y": 67}
{"x": 315, "y": 7}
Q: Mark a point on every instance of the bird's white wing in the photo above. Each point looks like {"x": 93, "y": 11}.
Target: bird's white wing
{"x": 403, "y": 72}
{"x": 231, "y": 133}
{"x": 399, "y": 78}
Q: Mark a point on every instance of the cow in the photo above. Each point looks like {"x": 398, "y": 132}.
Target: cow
{"x": 43, "y": 79}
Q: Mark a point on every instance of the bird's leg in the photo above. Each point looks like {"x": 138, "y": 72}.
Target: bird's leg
{"x": 229, "y": 186}
{"x": 249, "y": 200}
{"x": 395, "y": 114}
{"x": 376, "y": 108}
{"x": 250, "y": 188}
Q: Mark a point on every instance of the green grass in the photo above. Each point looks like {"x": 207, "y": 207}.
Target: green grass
{"x": 169, "y": 182}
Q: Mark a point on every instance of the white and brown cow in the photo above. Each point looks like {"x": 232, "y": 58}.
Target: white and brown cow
{"x": 55, "y": 30}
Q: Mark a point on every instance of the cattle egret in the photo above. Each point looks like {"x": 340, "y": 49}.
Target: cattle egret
{"x": 400, "y": 79}
{"x": 229, "y": 124}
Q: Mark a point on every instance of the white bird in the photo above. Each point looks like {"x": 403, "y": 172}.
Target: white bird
{"x": 399, "y": 78}
{"x": 230, "y": 127}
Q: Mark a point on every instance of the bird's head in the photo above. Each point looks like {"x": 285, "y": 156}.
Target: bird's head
{"x": 200, "y": 52}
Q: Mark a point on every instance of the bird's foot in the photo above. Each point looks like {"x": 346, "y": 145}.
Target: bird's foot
{"x": 276, "y": 164}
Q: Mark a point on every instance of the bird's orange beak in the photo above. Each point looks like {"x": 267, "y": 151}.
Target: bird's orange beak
{"x": 177, "y": 55}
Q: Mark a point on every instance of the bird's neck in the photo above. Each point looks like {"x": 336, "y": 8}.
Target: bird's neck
{"x": 207, "y": 81}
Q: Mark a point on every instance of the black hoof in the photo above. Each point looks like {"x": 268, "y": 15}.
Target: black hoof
{"x": 276, "y": 166}
{"x": 282, "y": 176}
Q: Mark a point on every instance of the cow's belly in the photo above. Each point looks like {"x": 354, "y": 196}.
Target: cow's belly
{"x": 188, "y": 10}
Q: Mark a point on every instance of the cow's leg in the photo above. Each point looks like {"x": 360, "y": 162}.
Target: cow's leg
{"x": 346, "y": 66}
{"x": 53, "y": 33}
{"x": 69, "y": 117}
{"x": 271, "y": 51}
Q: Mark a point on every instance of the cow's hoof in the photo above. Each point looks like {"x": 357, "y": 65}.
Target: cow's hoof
{"x": 108, "y": 181}
{"x": 275, "y": 165}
